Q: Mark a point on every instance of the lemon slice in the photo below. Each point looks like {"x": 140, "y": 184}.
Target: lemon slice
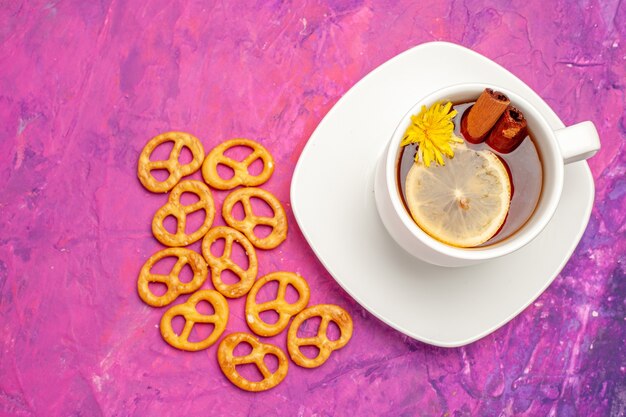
{"x": 462, "y": 203}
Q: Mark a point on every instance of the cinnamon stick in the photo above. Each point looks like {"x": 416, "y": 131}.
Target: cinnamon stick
{"x": 478, "y": 120}
{"x": 509, "y": 132}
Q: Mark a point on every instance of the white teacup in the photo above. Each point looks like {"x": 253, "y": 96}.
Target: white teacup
{"x": 563, "y": 146}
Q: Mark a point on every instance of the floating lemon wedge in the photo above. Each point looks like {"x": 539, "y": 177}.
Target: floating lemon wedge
{"x": 463, "y": 203}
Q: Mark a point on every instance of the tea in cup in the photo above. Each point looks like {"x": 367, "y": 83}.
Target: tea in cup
{"x": 474, "y": 172}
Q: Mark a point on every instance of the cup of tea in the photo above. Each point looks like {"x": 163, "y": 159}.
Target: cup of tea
{"x": 474, "y": 172}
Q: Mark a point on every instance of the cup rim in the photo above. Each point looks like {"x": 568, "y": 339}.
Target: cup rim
{"x": 521, "y": 237}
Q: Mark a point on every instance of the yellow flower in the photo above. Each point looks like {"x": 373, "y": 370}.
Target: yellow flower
{"x": 433, "y": 131}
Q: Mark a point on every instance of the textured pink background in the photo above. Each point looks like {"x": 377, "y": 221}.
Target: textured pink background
{"x": 84, "y": 85}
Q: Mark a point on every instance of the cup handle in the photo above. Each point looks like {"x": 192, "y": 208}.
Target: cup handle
{"x": 578, "y": 142}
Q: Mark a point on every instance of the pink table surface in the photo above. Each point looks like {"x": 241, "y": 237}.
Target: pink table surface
{"x": 85, "y": 84}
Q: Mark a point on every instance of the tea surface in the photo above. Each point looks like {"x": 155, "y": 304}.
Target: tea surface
{"x": 524, "y": 166}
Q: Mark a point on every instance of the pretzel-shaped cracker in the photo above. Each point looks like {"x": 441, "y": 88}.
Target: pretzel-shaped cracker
{"x": 218, "y": 265}
{"x": 278, "y": 222}
{"x": 280, "y": 305}
{"x": 174, "y": 286}
{"x": 172, "y": 165}
{"x": 228, "y": 362}
{"x": 191, "y": 315}
{"x": 176, "y": 209}
{"x": 328, "y": 313}
{"x": 242, "y": 176}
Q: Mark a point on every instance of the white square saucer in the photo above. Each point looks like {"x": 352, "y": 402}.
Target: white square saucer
{"x": 332, "y": 197}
